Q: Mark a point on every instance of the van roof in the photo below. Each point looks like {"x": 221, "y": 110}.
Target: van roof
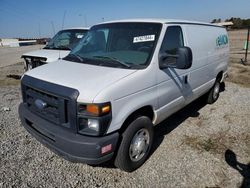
{"x": 75, "y": 28}
{"x": 163, "y": 21}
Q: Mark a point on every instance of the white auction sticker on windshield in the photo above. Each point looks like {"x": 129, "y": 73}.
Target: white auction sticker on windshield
{"x": 144, "y": 38}
{"x": 79, "y": 36}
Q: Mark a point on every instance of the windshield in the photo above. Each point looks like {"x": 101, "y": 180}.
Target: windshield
{"x": 126, "y": 45}
{"x": 66, "y": 39}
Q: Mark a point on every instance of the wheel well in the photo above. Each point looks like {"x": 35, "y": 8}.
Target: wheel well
{"x": 219, "y": 76}
{"x": 144, "y": 111}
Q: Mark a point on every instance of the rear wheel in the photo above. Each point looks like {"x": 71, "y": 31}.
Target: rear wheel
{"x": 214, "y": 93}
{"x": 135, "y": 146}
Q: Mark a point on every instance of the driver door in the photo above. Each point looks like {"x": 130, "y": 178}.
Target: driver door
{"x": 173, "y": 84}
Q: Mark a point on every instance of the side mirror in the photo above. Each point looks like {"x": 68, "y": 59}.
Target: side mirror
{"x": 182, "y": 60}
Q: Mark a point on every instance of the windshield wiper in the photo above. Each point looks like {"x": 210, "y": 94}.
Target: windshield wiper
{"x": 48, "y": 47}
{"x": 114, "y": 60}
{"x": 57, "y": 47}
{"x": 63, "y": 48}
{"x": 77, "y": 57}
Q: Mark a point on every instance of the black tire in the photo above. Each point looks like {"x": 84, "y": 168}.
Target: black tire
{"x": 214, "y": 93}
{"x": 123, "y": 158}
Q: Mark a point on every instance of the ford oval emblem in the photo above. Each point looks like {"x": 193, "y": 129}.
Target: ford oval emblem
{"x": 40, "y": 104}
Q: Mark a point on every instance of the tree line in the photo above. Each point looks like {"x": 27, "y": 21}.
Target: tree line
{"x": 238, "y": 22}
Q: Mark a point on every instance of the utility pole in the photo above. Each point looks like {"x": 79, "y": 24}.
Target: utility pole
{"x": 85, "y": 20}
{"x": 64, "y": 14}
{"x": 248, "y": 38}
{"x": 53, "y": 27}
{"x": 39, "y": 30}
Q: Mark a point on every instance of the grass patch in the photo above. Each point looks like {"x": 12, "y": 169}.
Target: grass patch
{"x": 10, "y": 75}
{"x": 9, "y": 82}
{"x": 202, "y": 144}
{"x": 239, "y": 74}
{"x": 217, "y": 143}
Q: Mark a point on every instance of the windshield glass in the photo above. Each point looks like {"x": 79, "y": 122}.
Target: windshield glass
{"x": 66, "y": 39}
{"x": 126, "y": 45}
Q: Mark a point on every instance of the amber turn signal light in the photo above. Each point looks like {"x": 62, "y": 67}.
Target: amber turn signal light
{"x": 105, "y": 109}
{"x": 98, "y": 110}
{"x": 93, "y": 109}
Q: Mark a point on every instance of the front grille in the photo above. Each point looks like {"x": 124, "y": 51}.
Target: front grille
{"x": 55, "y": 109}
{"x": 61, "y": 105}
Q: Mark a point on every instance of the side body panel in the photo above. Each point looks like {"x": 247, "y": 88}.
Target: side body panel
{"x": 165, "y": 90}
{"x": 172, "y": 91}
{"x": 208, "y": 57}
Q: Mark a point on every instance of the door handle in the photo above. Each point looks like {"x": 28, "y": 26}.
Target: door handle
{"x": 185, "y": 79}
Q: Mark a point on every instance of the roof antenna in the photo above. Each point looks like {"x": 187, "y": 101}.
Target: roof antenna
{"x": 64, "y": 14}
{"x": 39, "y": 30}
{"x": 85, "y": 20}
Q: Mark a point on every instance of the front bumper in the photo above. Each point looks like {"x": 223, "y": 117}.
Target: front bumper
{"x": 71, "y": 146}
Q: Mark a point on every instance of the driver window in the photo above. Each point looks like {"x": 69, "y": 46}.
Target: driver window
{"x": 64, "y": 39}
{"x": 173, "y": 39}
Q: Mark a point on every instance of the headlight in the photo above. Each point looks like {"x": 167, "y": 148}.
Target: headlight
{"x": 40, "y": 59}
{"x": 28, "y": 63}
{"x": 93, "y": 119}
{"x": 89, "y": 126}
{"x": 93, "y": 124}
{"x": 27, "y": 60}
{"x": 33, "y": 62}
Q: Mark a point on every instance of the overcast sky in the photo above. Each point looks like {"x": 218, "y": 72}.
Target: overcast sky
{"x": 23, "y": 18}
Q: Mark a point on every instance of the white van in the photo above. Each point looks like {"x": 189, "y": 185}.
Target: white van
{"x": 58, "y": 47}
{"x": 123, "y": 78}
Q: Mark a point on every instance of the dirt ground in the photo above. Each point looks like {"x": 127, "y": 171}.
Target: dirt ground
{"x": 12, "y": 55}
{"x": 199, "y": 146}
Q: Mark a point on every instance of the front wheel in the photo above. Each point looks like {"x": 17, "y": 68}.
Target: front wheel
{"x": 214, "y": 93}
{"x": 135, "y": 146}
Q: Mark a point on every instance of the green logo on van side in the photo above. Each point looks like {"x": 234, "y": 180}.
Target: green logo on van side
{"x": 222, "y": 40}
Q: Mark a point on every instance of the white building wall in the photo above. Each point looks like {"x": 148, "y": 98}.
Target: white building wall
{"x": 9, "y": 42}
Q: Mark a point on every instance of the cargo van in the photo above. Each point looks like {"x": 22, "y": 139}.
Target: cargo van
{"x": 58, "y": 47}
{"x": 120, "y": 81}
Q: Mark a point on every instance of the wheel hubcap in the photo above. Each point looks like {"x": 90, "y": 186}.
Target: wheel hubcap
{"x": 139, "y": 145}
{"x": 216, "y": 90}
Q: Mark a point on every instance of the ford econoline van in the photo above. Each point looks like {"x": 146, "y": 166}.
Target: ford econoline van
{"x": 122, "y": 79}
{"x": 58, "y": 47}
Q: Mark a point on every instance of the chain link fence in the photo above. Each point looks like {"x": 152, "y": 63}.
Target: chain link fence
{"x": 238, "y": 44}
{"x": 239, "y": 70}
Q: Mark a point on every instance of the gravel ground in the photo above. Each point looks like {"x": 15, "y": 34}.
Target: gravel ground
{"x": 200, "y": 146}
{"x": 193, "y": 148}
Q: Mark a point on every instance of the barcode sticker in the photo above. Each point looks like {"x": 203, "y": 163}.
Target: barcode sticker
{"x": 79, "y": 36}
{"x": 144, "y": 38}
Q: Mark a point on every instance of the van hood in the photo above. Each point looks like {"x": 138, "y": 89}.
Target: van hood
{"x": 89, "y": 80}
{"x": 51, "y": 55}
